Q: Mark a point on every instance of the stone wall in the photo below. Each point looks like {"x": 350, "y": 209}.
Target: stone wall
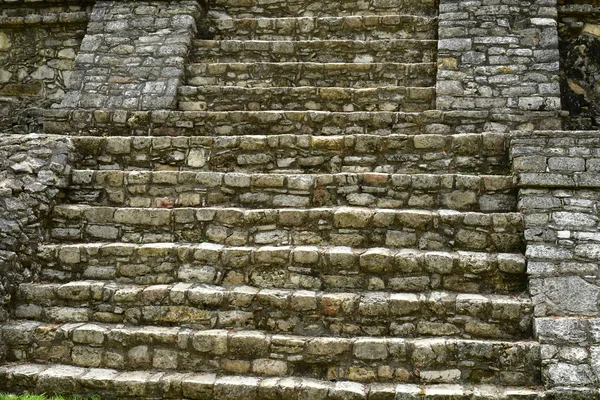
{"x": 579, "y": 33}
{"x": 133, "y": 55}
{"x": 559, "y": 179}
{"x": 32, "y": 169}
{"x": 38, "y": 46}
{"x": 502, "y": 58}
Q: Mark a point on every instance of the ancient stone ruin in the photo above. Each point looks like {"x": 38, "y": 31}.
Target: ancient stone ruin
{"x": 300, "y": 199}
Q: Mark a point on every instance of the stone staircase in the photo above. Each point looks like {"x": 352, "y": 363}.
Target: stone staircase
{"x": 262, "y": 261}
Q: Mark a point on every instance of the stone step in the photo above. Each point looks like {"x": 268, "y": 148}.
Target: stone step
{"x": 315, "y": 51}
{"x": 361, "y": 359}
{"x": 343, "y": 226}
{"x": 121, "y": 122}
{"x": 310, "y": 8}
{"x": 354, "y": 75}
{"x": 357, "y": 27}
{"x": 234, "y": 98}
{"x": 157, "y": 384}
{"x": 292, "y": 267}
{"x": 300, "y": 312}
{"x": 467, "y": 153}
{"x": 278, "y": 122}
{"x": 487, "y": 193}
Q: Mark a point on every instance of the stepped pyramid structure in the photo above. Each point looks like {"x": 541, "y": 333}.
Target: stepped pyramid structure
{"x": 294, "y": 200}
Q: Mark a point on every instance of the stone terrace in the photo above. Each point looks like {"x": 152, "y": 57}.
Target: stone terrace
{"x": 259, "y": 200}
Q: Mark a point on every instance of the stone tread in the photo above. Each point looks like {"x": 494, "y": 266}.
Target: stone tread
{"x": 487, "y": 193}
{"x": 340, "y": 314}
{"x": 433, "y": 153}
{"x": 315, "y": 51}
{"x": 234, "y": 98}
{"x": 291, "y": 267}
{"x": 348, "y": 226}
{"x": 360, "y": 359}
{"x": 268, "y": 74}
{"x": 377, "y": 27}
{"x": 299, "y": 8}
{"x": 158, "y": 384}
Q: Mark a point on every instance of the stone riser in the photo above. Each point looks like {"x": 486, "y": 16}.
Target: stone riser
{"x": 111, "y": 384}
{"x": 315, "y": 51}
{"x": 111, "y": 122}
{"x": 479, "y": 153}
{"x": 361, "y": 359}
{"x": 357, "y": 227}
{"x": 299, "y": 8}
{"x": 232, "y": 98}
{"x": 191, "y": 189}
{"x": 374, "y": 27}
{"x": 269, "y": 74}
{"x": 285, "y": 267}
{"x": 238, "y": 123}
{"x": 279, "y": 311}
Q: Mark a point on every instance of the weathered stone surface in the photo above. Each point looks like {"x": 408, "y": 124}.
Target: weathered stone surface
{"x": 305, "y": 214}
{"x": 32, "y": 170}
{"x": 485, "y": 63}
{"x": 358, "y": 153}
{"x": 38, "y": 45}
{"x": 267, "y": 354}
{"x": 559, "y": 202}
{"x": 578, "y": 38}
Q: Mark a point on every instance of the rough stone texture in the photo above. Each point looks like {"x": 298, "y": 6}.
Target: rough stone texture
{"x": 191, "y": 189}
{"x": 438, "y": 360}
{"x": 358, "y": 27}
{"x": 38, "y": 46}
{"x": 224, "y": 98}
{"x": 559, "y": 201}
{"x": 133, "y": 55}
{"x": 315, "y": 219}
{"x": 343, "y": 226}
{"x": 206, "y": 386}
{"x": 32, "y": 170}
{"x": 498, "y": 56}
{"x": 403, "y": 51}
{"x": 579, "y": 40}
{"x": 299, "y": 8}
{"x": 470, "y": 153}
{"x": 299, "y": 312}
{"x": 214, "y": 123}
{"x": 302, "y": 267}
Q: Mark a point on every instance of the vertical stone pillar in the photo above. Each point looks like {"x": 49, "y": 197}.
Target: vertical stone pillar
{"x": 559, "y": 178}
{"x": 133, "y": 55}
{"x": 500, "y": 58}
